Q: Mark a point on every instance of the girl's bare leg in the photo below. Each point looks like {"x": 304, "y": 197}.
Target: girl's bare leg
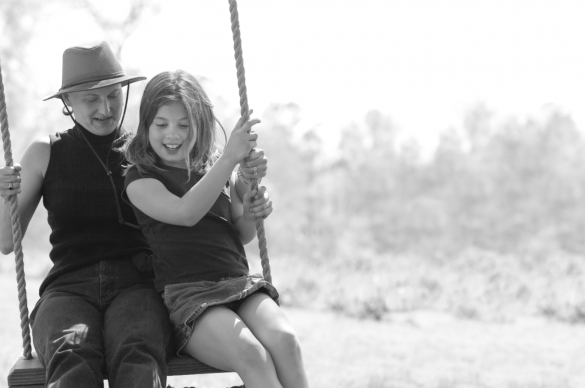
{"x": 222, "y": 340}
{"x": 270, "y": 325}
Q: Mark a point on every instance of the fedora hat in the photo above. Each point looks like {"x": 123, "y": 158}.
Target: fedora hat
{"x": 91, "y": 66}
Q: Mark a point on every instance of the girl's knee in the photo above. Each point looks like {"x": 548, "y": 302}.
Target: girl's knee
{"x": 282, "y": 340}
{"x": 250, "y": 354}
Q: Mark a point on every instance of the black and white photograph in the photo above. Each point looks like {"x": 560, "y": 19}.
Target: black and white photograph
{"x": 292, "y": 194}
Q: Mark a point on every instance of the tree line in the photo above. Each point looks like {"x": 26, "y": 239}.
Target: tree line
{"x": 504, "y": 186}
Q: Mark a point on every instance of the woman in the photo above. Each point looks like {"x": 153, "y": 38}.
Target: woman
{"x": 97, "y": 311}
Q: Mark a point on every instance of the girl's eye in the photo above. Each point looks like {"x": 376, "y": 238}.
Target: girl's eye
{"x": 185, "y": 126}
{"x": 161, "y": 125}
{"x": 92, "y": 100}
{"x": 114, "y": 96}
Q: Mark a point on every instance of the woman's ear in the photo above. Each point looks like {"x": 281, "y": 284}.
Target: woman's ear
{"x": 65, "y": 98}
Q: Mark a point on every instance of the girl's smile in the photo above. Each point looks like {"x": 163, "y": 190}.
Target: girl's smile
{"x": 172, "y": 147}
{"x": 169, "y": 132}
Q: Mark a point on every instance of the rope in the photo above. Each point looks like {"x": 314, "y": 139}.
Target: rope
{"x": 16, "y": 231}
{"x": 246, "y": 115}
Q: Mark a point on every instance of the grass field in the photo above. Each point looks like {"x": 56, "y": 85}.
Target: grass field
{"x": 417, "y": 348}
{"x": 435, "y": 350}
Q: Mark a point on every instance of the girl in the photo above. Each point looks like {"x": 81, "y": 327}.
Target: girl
{"x": 197, "y": 224}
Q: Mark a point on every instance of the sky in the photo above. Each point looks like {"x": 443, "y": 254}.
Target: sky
{"x": 424, "y": 63}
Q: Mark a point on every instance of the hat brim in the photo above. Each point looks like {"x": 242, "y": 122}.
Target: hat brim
{"x": 125, "y": 80}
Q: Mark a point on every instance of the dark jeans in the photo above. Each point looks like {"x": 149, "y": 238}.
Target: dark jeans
{"x": 103, "y": 318}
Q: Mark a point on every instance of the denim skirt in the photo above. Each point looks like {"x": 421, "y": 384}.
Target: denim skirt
{"x": 187, "y": 301}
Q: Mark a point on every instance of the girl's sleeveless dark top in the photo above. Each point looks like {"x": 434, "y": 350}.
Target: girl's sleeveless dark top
{"x": 209, "y": 250}
{"x": 79, "y": 198}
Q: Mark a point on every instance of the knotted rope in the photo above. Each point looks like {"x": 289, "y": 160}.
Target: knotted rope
{"x": 246, "y": 115}
{"x": 16, "y": 231}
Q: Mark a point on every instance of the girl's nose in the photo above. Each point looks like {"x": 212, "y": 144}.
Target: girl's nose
{"x": 172, "y": 131}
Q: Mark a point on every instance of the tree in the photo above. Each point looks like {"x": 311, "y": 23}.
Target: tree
{"x": 118, "y": 30}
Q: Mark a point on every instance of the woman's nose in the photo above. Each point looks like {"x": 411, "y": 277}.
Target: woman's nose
{"x": 104, "y": 107}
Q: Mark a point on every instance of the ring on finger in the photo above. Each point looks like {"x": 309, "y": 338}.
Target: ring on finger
{"x": 255, "y": 170}
{"x": 10, "y": 186}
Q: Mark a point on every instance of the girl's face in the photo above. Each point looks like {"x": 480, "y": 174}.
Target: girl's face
{"x": 99, "y": 110}
{"x": 168, "y": 134}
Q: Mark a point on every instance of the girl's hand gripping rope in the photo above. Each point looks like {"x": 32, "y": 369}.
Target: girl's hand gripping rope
{"x": 242, "y": 140}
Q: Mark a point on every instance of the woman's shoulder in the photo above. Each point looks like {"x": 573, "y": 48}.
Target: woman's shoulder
{"x": 61, "y": 134}
{"x": 41, "y": 142}
{"x": 125, "y": 134}
{"x": 40, "y": 145}
{"x": 60, "y": 139}
{"x": 37, "y": 154}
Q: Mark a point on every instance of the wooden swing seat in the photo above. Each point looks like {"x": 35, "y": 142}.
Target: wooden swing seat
{"x": 31, "y": 374}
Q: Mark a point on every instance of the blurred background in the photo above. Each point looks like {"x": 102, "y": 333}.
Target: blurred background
{"x": 426, "y": 163}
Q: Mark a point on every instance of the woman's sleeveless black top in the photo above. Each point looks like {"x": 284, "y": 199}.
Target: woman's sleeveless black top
{"x": 79, "y": 198}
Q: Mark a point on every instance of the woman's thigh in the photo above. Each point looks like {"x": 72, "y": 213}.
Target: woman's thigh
{"x": 137, "y": 318}
{"x": 67, "y": 332}
{"x": 137, "y": 338}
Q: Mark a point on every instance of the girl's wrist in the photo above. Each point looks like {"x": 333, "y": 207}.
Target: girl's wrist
{"x": 225, "y": 159}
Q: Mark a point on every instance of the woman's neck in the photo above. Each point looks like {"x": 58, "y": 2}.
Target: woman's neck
{"x": 92, "y": 137}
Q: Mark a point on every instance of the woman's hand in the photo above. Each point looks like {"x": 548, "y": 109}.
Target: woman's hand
{"x": 10, "y": 181}
{"x": 257, "y": 204}
{"x": 255, "y": 165}
{"x": 242, "y": 140}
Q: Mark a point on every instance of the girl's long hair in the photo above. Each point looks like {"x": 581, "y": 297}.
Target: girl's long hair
{"x": 165, "y": 88}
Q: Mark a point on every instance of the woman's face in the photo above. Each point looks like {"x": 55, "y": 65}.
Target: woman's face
{"x": 168, "y": 133}
{"x": 98, "y": 110}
